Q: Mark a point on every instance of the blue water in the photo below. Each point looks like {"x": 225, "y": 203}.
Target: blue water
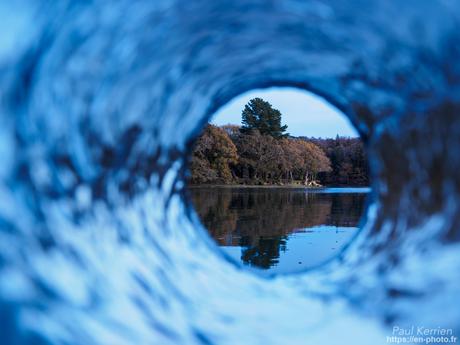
{"x": 280, "y": 230}
{"x": 305, "y": 249}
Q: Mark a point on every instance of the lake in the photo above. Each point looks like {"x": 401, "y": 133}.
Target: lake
{"x": 280, "y": 230}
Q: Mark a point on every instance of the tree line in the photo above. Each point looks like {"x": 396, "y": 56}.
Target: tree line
{"x": 261, "y": 152}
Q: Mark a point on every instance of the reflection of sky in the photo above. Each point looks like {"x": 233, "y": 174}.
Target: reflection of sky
{"x": 233, "y": 251}
{"x": 304, "y": 113}
{"x": 306, "y": 249}
{"x": 340, "y": 190}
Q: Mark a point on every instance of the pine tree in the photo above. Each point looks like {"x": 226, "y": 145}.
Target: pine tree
{"x": 260, "y": 115}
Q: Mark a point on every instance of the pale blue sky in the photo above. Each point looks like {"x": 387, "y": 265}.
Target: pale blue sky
{"x": 305, "y": 113}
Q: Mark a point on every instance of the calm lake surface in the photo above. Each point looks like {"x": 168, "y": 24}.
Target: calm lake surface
{"x": 280, "y": 230}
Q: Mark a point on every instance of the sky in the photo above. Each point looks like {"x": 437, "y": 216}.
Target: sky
{"x": 305, "y": 113}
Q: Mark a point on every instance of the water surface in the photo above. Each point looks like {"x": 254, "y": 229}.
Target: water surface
{"x": 280, "y": 230}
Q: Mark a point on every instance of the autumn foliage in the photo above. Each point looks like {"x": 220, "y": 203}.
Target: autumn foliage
{"x": 213, "y": 157}
{"x": 226, "y": 155}
{"x": 261, "y": 152}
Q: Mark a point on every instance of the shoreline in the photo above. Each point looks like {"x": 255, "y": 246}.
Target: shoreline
{"x": 293, "y": 186}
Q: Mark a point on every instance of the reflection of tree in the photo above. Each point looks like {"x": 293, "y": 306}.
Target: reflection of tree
{"x": 346, "y": 209}
{"x": 214, "y": 208}
{"x": 260, "y": 219}
{"x": 265, "y": 253}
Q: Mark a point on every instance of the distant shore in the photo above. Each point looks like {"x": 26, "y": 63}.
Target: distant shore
{"x": 299, "y": 186}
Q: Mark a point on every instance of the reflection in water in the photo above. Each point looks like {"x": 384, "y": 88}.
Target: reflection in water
{"x": 280, "y": 229}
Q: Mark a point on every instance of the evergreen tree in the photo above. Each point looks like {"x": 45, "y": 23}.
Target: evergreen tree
{"x": 260, "y": 115}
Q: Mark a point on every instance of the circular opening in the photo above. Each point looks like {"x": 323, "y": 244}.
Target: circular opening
{"x": 275, "y": 199}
